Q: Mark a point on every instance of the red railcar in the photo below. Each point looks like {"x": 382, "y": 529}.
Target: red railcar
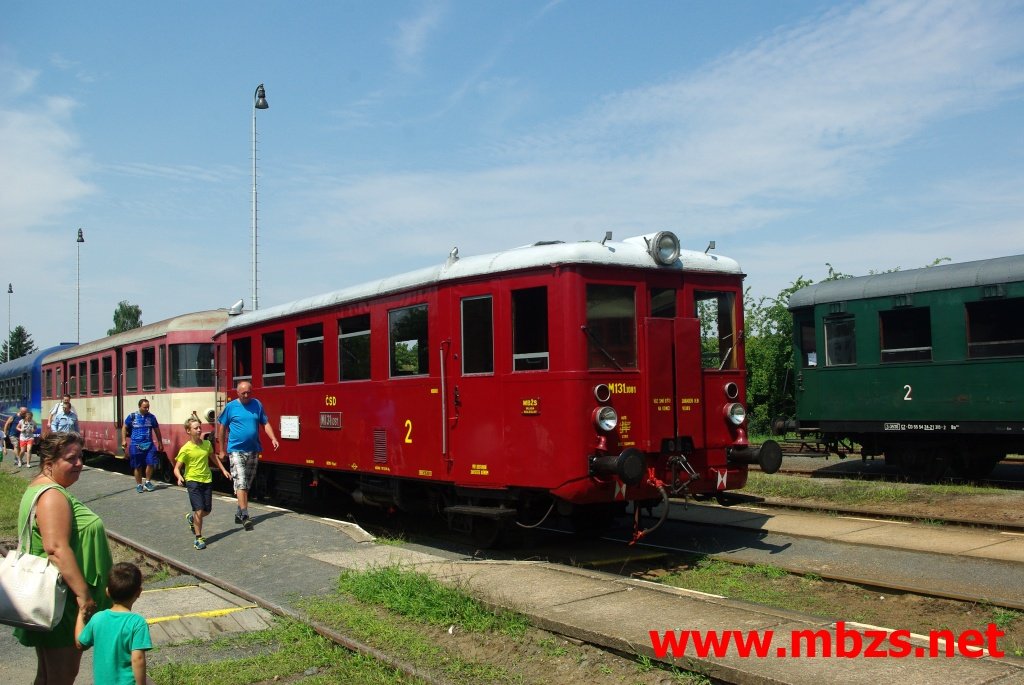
{"x": 558, "y": 377}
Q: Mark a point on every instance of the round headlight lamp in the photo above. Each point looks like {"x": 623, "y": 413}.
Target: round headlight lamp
{"x": 606, "y": 419}
{"x": 736, "y": 413}
{"x": 665, "y": 248}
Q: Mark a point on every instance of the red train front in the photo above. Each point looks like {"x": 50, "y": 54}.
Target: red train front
{"x": 558, "y": 378}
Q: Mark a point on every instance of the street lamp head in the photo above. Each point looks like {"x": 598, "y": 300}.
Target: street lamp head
{"x": 10, "y": 288}
{"x": 81, "y": 238}
{"x": 260, "y": 98}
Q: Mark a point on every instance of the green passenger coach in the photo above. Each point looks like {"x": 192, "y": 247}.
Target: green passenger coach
{"x": 924, "y": 366}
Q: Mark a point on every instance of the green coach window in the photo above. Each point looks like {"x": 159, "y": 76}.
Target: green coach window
{"x": 906, "y": 335}
{"x": 840, "y": 342}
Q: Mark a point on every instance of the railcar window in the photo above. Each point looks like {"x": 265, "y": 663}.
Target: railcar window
{"x": 995, "y": 328}
{"x": 108, "y": 375}
{"x": 94, "y": 376}
{"x": 149, "y": 368}
{"x": 808, "y": 344}
{"x": 59, "y": 390}
{"x": 131, "y": 371}
{"x": 241, "y": 356}
{"x": 663, "y": 303}
{"x": 408, "y": 331}
{"x": 906, "y": 334}
{"x": 273, "y": 358}
{"x": 840, "y": 343}
{"x": 611, "y": 326}
{"x": 162, "y": 367}
{"x": 192, "y": 365}
{"x": 530, "y": 329}
{"x": 716, "y": 311}
{"x": 310, "y": 353}
{"x": 477, "y": 335}
{"x": 82, "y": 379}
{"x": 354, "y": 348}
{"x": 48, "y": 384}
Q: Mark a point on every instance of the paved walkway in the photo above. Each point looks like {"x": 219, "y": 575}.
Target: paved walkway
{"x": 289, "y": 555}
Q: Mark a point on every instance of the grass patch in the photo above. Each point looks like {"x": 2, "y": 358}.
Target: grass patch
{"x": 850, "y": 491}
{"x": 11, "y": 490}
{"x": 287, "y": 649}
{"x": 424, "y": 599}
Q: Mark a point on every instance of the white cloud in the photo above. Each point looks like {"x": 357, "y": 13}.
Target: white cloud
{"x": 414, "y": 35}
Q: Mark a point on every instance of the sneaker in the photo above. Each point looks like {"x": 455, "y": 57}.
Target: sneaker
{"x": 149, "y": 486}
{"x": 200, "y": 543}
{"x": 238, "y": 519}
{"x": 190, "y": 517}
{"x": 247, "y": 523}
{"x": 138, "y": 488}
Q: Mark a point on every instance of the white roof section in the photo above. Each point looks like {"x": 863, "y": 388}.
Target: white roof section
{"x": 209, "y": 321}
{"x": 628, "y": 253}
{"x": 942, "y": 277}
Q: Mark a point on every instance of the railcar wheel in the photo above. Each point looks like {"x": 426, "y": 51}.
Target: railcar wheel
{"x": 975, "y": 467}
{"x": 918, "y": 464}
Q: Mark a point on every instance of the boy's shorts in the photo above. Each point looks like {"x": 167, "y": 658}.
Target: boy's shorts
{"x": 243, "y": 469}
{"x": 200, "y": 495}
{"x": 138, "y": 460}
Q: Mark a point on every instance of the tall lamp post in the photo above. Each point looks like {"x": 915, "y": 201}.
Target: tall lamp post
{"x": 78, "y": 287}
{"x": 10, "y": 291}
{"x": 259, "y": 99}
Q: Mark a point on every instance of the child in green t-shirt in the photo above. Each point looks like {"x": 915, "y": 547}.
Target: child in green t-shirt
{"x": 119, "y": 637}
{"x": 196, "y": 456}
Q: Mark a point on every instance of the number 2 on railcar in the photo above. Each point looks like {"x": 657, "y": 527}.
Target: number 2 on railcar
{"x": 557, "y": 378}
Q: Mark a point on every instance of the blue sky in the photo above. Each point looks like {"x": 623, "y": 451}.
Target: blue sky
{"x": 866, "y": 135}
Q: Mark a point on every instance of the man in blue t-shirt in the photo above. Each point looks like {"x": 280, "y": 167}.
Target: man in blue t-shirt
{"x": 145, "y": 446}
{"x": 242, "y": 419}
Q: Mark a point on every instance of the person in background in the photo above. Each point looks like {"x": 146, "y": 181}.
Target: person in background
{"x": 27, "y": 436}
{"x": 74, "y": 539}
{"x": 66, "y": 420}
{"x": 196, "y": 456}
{"x": 144, "y": 451}
{"x": 11, "y": 434}
{"x": 120, "y": 638}
{"x": 242, "y": 419}
{"x": 57, "y": 409}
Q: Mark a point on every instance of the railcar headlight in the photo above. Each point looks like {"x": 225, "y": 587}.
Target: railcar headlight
{"x": 606, "y": 419}
{"x": 736, "y": 413}
{"x": 665, "y": 248}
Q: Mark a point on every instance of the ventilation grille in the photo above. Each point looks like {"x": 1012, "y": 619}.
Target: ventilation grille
{"x": 380, "y": 446}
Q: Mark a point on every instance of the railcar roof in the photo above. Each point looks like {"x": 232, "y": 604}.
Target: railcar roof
{"x": 23, "y": 364}
{"x": 208, "y": 320}
{"x": 943, "y": 277}
{"x": 629, "y": 253}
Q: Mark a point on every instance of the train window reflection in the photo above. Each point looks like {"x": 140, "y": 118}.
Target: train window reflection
{"x": 192, "y": 365}
{"x": 310, "y": 354}
{"x": 611, "y": 326}
{"x": 530, "y": 329}
{"x": 273, "y": 358}
{"x": 716, "y": 311}
{"x": 408, "y": 341}
{"x": 131, "y": 371}
{"x": 354, "y": 348}
{"x": 241, "y": 357}
{"x": 149, "y": 368}
{"x": 995, "y": 328}
{"x": 477, "y": 335}
{"x": 840, "y": 343}
{"x": 906, "y": 335}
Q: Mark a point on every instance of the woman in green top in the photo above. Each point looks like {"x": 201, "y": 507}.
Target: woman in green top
{"x": 74, "y": 539}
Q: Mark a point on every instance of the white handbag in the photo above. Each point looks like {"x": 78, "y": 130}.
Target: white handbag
{"x": 32, "y": 592}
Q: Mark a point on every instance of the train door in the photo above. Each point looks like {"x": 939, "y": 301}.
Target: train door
{"x": 673, "y": 377}
{"x": 472, "y": 411}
